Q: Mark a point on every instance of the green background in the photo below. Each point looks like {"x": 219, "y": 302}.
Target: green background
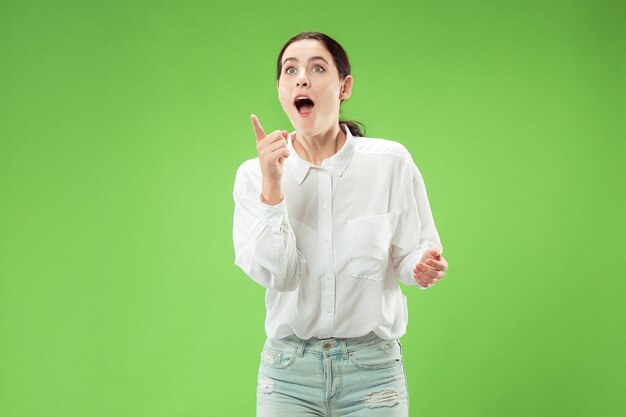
{"x": 122, "y": 125}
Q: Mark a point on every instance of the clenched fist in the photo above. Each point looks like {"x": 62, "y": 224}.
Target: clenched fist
{"x": 431, "y": 268}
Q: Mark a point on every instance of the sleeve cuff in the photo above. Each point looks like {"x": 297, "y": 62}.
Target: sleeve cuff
{"x": 274, "y": 216}
{"x": 406, "y": 269}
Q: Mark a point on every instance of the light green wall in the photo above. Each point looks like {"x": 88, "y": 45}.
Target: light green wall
{"x": 122, "y": 125}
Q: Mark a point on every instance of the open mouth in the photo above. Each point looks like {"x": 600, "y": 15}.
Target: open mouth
{"x": 304, "y": 105}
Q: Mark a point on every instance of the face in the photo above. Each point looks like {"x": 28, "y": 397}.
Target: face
{"x": 309, "y": 69}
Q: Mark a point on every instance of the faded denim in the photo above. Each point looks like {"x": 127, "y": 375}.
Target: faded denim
{"x": 347, "y": 377}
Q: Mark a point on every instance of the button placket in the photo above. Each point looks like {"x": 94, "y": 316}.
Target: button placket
{"x": 325, "y": 230}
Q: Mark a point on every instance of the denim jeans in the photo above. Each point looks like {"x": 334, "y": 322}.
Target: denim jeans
{"x": 347, "y": 377}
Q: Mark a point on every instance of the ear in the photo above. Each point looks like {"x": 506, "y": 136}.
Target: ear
{"x": 346, "y": 89}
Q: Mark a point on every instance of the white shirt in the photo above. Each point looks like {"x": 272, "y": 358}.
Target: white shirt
{"x": 332, "y": 252}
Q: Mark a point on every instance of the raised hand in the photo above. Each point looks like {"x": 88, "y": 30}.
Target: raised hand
{"x": 272, "y": 150}
{"x": 431, "y": 268}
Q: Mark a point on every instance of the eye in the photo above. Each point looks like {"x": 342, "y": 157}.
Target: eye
{"x": 320, "y": 67}
{"x": 287, "y": 70}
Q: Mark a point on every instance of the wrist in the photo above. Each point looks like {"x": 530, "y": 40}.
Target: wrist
{"x": 271, "y": 193}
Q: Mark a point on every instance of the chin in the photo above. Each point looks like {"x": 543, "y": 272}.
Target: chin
{"x": 308, "y": 126}
{"x": 306, "y": 131}
{"x": 303, "y": 127}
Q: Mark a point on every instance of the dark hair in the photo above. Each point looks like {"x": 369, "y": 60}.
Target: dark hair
{"x": 341, "y": 61}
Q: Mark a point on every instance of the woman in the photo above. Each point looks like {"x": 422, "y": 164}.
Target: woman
{"x": 328, "y": 222}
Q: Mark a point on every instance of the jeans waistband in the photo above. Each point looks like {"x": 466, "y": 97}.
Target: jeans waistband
{"x": 330, "y": 344}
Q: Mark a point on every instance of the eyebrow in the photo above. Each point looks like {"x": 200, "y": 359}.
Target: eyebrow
{"x": 310, "y": 59}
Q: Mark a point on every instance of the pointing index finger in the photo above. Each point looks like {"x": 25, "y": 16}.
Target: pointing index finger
{"x": 258, "y": 129}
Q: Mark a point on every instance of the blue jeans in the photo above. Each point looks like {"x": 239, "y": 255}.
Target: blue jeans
{"x": 347, "y": 377}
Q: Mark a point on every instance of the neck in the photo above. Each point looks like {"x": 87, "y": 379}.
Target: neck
{"x": 316, "y": 148}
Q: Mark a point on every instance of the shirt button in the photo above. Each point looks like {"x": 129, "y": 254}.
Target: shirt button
{"x": 325, "y": 205}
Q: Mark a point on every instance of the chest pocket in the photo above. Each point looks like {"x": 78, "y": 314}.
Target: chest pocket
{"x": 370, "y": 240}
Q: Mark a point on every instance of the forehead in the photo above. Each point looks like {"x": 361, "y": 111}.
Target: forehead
{"x": 305, "y": 48}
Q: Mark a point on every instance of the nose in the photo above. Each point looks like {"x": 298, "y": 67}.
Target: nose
{"x": 302, "y": 81}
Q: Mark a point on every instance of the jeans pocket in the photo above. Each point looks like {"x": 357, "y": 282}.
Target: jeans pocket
{"x": 380, "y": 355}
{"x": 277, "y": 355}
{"x": 370, "y": 240}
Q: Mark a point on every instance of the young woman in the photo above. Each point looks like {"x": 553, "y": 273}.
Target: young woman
{"x": 329, "y": 222}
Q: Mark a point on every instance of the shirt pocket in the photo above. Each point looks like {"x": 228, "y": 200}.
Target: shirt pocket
{"x": 370, "y": 240}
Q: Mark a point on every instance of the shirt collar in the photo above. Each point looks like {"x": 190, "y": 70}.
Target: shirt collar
{"x": 336, "y": 163}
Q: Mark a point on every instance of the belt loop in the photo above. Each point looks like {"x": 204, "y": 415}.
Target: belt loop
{"x": 300, "y": 349}
{"x": 344, "y": 348}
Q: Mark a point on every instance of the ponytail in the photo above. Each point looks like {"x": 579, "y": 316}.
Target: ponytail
{"x": 356, "y": 128}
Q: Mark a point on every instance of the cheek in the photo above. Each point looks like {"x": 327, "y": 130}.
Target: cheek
{"x": 330, "y": 102}
{"x": 331, "y": 99}
{"x": 283, "y": 98}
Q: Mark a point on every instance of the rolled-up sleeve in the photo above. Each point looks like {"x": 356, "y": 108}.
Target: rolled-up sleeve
{"x": 264, "y": 242}
{"x": 415, "y": 230}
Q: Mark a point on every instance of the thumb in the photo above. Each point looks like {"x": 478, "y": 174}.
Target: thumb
{"x": 435, "y": 252}
{"x": 284, "y": 133}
